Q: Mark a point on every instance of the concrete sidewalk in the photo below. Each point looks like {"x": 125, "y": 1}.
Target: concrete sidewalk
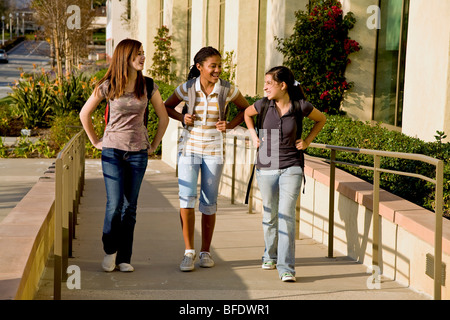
{"x": 237, "y": 249}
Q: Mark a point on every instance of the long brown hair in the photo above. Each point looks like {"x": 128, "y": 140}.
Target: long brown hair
{"x": 117, "y": 73}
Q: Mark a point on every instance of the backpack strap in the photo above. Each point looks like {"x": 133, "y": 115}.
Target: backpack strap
{"x": 149, "y": 85}
{"x": 223, "y": 94}
{"x": 259, "y": 123}
{"x": 192, "y": 95}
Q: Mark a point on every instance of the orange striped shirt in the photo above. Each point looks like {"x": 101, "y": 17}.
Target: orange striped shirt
{"x": 203, "y": 138}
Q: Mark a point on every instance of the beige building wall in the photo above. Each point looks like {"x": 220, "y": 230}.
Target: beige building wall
{"x": 118, "y": 27}
{"x": 427, "y": 76}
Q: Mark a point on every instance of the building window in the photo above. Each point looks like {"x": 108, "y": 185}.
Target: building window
{"x": 390, "y": 62}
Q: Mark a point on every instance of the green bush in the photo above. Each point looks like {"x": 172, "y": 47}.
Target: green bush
{"x": 342, "y": 131}
{"x": 162, "y": 57}
{"x": 166, "y": 91}
{"x": 71, "y": 94}
{"x": 32, "y": 98}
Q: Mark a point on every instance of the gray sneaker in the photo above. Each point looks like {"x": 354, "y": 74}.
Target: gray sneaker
{"x": 205, "y": 260}
{"x": 188, "y": 262}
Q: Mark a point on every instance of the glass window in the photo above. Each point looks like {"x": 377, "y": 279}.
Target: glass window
{"x": 390, "y": 62}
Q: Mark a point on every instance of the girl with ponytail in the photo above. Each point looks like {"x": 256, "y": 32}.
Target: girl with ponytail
{"x": 279, "y": 169}
{"x": 201, "y": 149}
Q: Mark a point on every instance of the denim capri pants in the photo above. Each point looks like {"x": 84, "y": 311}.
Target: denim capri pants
{"x": 189, "y": 166}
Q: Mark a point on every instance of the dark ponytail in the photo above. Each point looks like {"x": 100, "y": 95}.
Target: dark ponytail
{"x": 200, "y": 57}
{"x": 283, "y": 74}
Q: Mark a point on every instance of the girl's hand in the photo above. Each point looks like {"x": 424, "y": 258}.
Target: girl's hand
{"x": 301, "y": 144}
{"x": 151, "y": 150}
{"x": 189, "y": 119}
{"x": 99, "y": 145}
{"x": 221, "y": 126}
{"x": 256, "y": 141}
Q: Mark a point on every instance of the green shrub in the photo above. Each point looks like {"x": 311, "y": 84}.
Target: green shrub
{"x": 166, "y": 91}
{"x": 5, "y": 116}
{"x": 71, "y": 94}
{"x": 162, "y": 57}
{"x": 317, "y": 52}
{"x": 32, "y": 99}
{"x": 342, "y": 131}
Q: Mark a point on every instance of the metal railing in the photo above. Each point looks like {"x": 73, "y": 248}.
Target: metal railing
{"x": 438, "y": 181}
{"x": 69, "y": 183}
{"x": 439, "y": 202}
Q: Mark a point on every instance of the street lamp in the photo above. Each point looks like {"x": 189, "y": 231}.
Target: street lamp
{"x": 10, "y": 26}
{"x": 17, "y": 25}
{"x": 23, "y": 23}
{"x": 3, "y": 30}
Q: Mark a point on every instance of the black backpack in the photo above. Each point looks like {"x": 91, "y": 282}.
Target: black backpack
{"x": 149, "y": 84}
{"x": 258, "y": 125}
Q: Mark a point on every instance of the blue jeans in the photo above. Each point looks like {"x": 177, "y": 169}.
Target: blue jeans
{"x": 211, "y": 171}
{"x": 123, "y": 173}
{"x": 279, "y": 191}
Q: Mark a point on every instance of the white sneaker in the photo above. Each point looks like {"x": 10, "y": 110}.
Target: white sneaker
{"x": 205, "y": 260}
{"x": 125, "y": 267}
{"x": 109, "y": 262}
{"x": 268, "y": 265}
{"x": 288, "y": 277}
{"x": 188, "y": 262}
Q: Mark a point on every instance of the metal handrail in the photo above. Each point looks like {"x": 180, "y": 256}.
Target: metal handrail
{"x": 377, "y": 154}
{"x": 69, "y": 184}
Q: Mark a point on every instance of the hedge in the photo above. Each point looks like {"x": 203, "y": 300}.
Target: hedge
{"x": 342, "y": 131}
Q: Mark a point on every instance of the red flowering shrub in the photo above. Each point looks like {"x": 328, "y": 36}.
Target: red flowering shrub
{"x": 317, "y": 52}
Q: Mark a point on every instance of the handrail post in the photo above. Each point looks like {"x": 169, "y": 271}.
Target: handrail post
{"x": 233, "y": 173}
{"x": 331, "y": 204}
{"x": 438, "y": 230}
{"x": 65, "y": 216}
{"x": 251, "y": 162}
{"x": 58, "y": 243}
{"x": 376, "y": 210}
{"x": 69, "y": 181}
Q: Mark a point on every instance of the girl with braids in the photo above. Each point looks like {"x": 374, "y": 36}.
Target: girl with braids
{"x": 201, "y": 149}
{"x": 279, "y": 170}
{"x": 125, "y": 146}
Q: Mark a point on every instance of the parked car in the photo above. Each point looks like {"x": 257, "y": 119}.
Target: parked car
{"x": 3, "y": 56}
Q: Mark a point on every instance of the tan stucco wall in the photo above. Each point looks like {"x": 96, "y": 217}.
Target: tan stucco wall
{"x": 427, "y": 85}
